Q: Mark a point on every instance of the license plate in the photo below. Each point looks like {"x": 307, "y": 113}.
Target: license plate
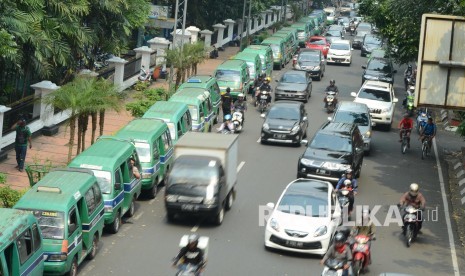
{"x": 321, "y": 171}
{"x": 264, "y": 97}
{"x": 189, "y": 207}
{"x": 294, "y": 243}
{"x": 280, "y": 136}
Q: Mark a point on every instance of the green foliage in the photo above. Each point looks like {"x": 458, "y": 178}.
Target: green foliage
{"x": 144, "y": 100}
{"x": 262, "y": 36}
{"x": 141, "y": 85}
{"x": 8, "y": 196}
{"x": 461, "y": 128}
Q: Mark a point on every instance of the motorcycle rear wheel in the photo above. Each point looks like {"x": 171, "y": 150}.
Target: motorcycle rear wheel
{"x": 358, "y": 267}
{"x": 424, "y": 149}
{"x": 404, "y": 145}
{"x": 409, "y": 235}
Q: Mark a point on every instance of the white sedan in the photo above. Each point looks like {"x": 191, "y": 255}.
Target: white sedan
{"x": 305, "y": 218}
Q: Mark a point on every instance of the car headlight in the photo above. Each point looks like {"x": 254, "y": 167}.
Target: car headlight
{"x": 367, "y": 134}
{"x": 209, "y": 201}
{"x": 320, "y": 231}
{"x": 274, "y": 224}
{"x": 316, "y": 68}
{"x": 171, "y": 198}
{"x": 295, "y": 129}
{"x": 335, "y": 166}
{"x": 386, "y": 110}
{"x": 306, "y": 162}
{"x": 266, "y": 126}
{"x": 146, "y": 175}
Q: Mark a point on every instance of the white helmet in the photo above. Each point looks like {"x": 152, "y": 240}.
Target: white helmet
{"x": 240, "y": 95}
{"x": 414, "y": 187}
{"x": 347, "y": 182}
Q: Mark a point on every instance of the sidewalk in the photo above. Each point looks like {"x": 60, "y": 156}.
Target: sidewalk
{"x": 54, "y": 149}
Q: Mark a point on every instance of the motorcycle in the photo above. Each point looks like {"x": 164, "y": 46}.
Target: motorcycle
{"x": 188, "y": 270}
{"x": 237, "y": 120}
{"x": 343, "y": 197}
{"x": 409, "y": 99}
{"x": 330, "y": 101}
{"x": 422, "y": 119}
{"x": 145, "y": 76}
{"x": 352, "y": 30}
{"x": 360, "y": 253}
{"x": 333, "y": 267}
{"x": 411, "y": 224}
{"x": 263, "y": 101}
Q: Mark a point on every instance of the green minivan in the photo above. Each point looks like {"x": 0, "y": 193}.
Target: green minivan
{"x": 280, "y": 57}
{"x": 69, "y": 208}
{"x": 210, "y": 84}
{"x": 109, "y": 160}
{"x": 303, "y": 32}
{"x": 200, "y": 107}
{"x": 266, "y": 57}
{"x": 291, "y": 40}
{"x": 235, "y": 75}
{"x": 176, "y": 115}
{"x": 254, "y": 62}
{"x": 152, "y": 140}
{"x": 314, "y": 21}
{"x": 21, "y": 246}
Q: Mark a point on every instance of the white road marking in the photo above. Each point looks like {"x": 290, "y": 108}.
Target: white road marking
{"x": 447, "y": 214}
{"x": 138, "y": 215}
{"x": 195, "y": 228}
{"x": 258, "y": 141}
{"x": 240, "y": 166}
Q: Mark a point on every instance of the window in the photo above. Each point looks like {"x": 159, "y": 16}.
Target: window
{"x": 156, "y": 151}
{"x": 90, "y": 201}
{"x": 216, "y": 89}
{"x": 36, "y": 237}
{"x": 97, "y": 194}
{"x": 187, "y": 121}
{"x": 179, "y": 129}
{"x": 166, "y": 141}
{"x": 24, "y": 244}
{"x": 209, "y": 105}
{"x": 72, "y": 222}
{"x": 118, "y": 178}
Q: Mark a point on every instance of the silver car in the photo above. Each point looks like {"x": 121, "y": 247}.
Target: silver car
{"x": 356, "y": 113}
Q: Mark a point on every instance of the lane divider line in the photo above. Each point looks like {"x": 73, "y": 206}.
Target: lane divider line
{"x": 240, "y": 166}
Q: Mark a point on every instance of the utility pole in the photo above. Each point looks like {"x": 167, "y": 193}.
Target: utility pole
{"x": 183, "y": 8}
{"x": 243, "y": 23}
{"x": 249, "y": 20}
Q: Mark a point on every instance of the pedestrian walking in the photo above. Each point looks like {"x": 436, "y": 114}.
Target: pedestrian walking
{"x": 23, "y": 136}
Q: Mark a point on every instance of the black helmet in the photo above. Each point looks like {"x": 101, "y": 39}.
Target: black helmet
{"x": 339, "y": 237}
{"x": 193, "y": 239}
{"x": 228, "y": 89}
{"x": 332, "y": 82}
{"x": 409, "y": 66}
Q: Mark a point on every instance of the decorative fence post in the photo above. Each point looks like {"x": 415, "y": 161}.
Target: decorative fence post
{"x": 230, "y": 24}
{"x": 46, "y": 111}
{"x": 160, "y": 44}
{"x": 3, "y": 109}
{"x": 219, "y": 40}
{"x": 145, "y": 52}
{"x": 208, "y": 38}
{"x": 119, "y": 70}
{"x": 194, "y": 31}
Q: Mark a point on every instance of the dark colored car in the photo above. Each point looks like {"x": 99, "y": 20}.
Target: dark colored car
{"x": 358, "y": 39}
{"x": 379, "y": 69}
{"x": 364, "y": 26}
{"x": 285, "y": 122}
{"x": 334, "y": 35}
{"x": 370, "y": 42}
{"x": 311, "y": 61}
{"x": 294, "y": 85}
{"x": 334, "y": 148}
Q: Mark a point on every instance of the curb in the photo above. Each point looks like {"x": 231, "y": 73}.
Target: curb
{"x": 446, "y": 121}
{"x": 460, "y": 176}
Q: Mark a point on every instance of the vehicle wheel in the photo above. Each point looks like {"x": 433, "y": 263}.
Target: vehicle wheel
{"x": 114, "y": 228}
{"x": 357, "y": 268}
{"x": 362, "y": 55}
{"x": 132, "y": 208}
{"x": 319, "y": 77}
{"x": 73, "y": 269}
{"x": 230, "y": 200}
{"x": 170, "y": 216}
{"x": 219, "y": 217}
{"x": 152, "y": 193}
{"x": 404, "y": 146}
{"x": 209, "y": 128}
{"x": 408, "y": 235}
{"x": 358, "y": 171}
{"x": 93, "y": 252}
{"x": 423, "y": 151}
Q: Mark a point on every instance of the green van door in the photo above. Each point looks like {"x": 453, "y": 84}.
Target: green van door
{"x": 253, "y": 62}
{"x": 210, "y": 84}
{"x": 69, "y": 208}
{"x": 291, "y": 40}
{"x": 109, "y": 159}
{"x": 21, "y": 246}
{"x": 199, "y": 102}
{"x": 266, "y": 57}
{"x": 176, "y": 116}
{"x": 277, "y": 44}
{"x": 152, "y": 140}
{"x": 235, "y": 75}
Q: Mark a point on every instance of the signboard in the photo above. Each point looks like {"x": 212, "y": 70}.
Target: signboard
{"x": 441, "y": 62}
{"x": 158, "y": 12}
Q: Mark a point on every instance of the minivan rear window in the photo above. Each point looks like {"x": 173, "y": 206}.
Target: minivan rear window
{"x": 103, "y": 180}
{"x": 51, "y": 223}
{"x": 228, "y": 75}
{"x": 143, "y": 150}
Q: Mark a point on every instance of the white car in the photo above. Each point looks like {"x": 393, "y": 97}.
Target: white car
{"x": 305, "y": 218}
{"x": 340, "y": 52}
{"x": 380, "y": 99}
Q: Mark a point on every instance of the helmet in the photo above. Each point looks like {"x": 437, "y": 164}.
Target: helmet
{"x": 227, "y": 117}
{"x": 268, "y": 79}
{"x": 409, "y": 66}
{"x": 332, "y": 82}
{"x": 339, "y": 238}
{"x": 193, "y": 239}
{"x": 347, "y": 182}
{"x": 241, "y": 95}
{"x": 228, "y": 89}
{"x": 349, "y": 171}
{"x": 414, "y": 189}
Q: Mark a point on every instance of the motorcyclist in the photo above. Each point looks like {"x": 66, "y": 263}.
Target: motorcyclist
{"x": 226, "y": 102}
{"x": 339, "y": 251}
{"x": 331, "y": 88}
{"x": 240, "y": 105}
{"x": 429, "y": 132}
{"x": 256, "y": 85}
{"x": 261, "y": 93}
{"x": 191, "y": 254}
{"x": 352, "y": 26}
{"x": 348, "y": 185}
{"x": 349, "y": 174}
{"x": 406, "y": 125}
{"x": 227, "y": 124}
{"x": 407, "y": 73}
{"x": 416, "y": 199}
{"x": 366, "y": 228}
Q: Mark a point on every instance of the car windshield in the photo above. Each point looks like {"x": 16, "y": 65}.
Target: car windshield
{"x": 284, "y": 113}
{"x": 275, "y": 48}
{"x": 172, "y": 129}
{"x": 377, "y": 65}
{"x": 228, "y": 75}
{"x": 194, "y": 112}
{"x": 350, "y": 117}
{"x": 333, "y": 33}
{"x": 309, "y": 57}
{"x": 377, "y": 95}
{"x": 372, "y": 40}
{"x": 360, "y": 35}
{"x": 340, "y": 46}
{"x": 143, "y": 150}
{"x": 103, "y": 180}
{"x": 191, "y": 179}
{"x": 331, "y": 142}
{"x": 317, "y": 41}
{"x": 303, "y": 205}
{"x": 51, "y": 223}
{"x": 344, "y": 19}
{"x": 251, "y": 66}
{"x": 292, "y": 78}
{"x": 378, "y": 53}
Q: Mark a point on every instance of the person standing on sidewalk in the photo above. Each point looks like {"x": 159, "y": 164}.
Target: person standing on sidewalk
{"x": 23, "y": 136}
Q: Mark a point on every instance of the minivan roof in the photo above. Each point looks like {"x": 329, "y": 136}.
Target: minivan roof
{"x": 231, "y": 64}
{"x": 168, "y": 111}
{"x": 144, "y": 129}
{"x": 12, "y": 224}
{"x": 246, "y": 56}
{"x": 200, "y": 81}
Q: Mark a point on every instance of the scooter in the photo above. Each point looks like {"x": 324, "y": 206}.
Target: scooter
{"x": 343, "y": 197}
{"x": 352, "y": 30}
{"x": 145, "y": 76}
{"x": 422, "y": 120}
{"x": 333, "y": 267}
{"x": 411, "y": 224}
{"x": 188, "y": 270}
{"x": 263, "y": 101}
{"x": 237, "y": 120}
{"x": 360, "y": 253}
{"x": 410, "y": 97}
{"x": 330, "y": 101}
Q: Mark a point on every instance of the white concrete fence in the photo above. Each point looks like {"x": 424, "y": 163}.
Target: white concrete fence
{"x": 48, "y": 120}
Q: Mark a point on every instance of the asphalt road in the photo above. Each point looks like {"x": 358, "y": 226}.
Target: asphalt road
{"x": 146, "y": 243}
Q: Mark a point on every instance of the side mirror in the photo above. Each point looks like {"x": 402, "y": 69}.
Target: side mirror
{"x": 395, "y": 71}
{"x": 330, "y": 118}
{"x": 353, "y": 94}
{"x": 262, "y": 115}
{"x": 270, "y": 205}
{"x": 373, "y": 124}
{"x": 304, "y": 142}
{"x": 117, "y": 186}
{"x": 395, "y": 100}
{"x": 364, "y": 66}
{"x": 305, "y": 118}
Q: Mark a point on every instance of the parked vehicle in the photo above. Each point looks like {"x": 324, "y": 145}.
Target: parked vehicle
{"x": 303, "y": 30}
{"x": 235, "y": 75}
{"x": 200, "y": 107}
{"x": 152, "y": 140}
{"x": 357, "y": 41}
{"x": 291, "y": 40}
{"x": 281, "y": 54}
{"x": 109, "y": 160}
{"x": 340, "y": 52}
{"x": 266, "y": 56}
{"x": 334, "y": 148}
{"x": 203, "y": 178}
{"x": 21, "y": 244}
{"x": 297, "y": 222}
{"x": 294, "y": 85}
{"x": 145, "y": 75}
{"x": 379, "y": 69}
{"x": 176, "y": 115}
{"x": 370, "y": 42}
{"x": 69, "y": 208}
